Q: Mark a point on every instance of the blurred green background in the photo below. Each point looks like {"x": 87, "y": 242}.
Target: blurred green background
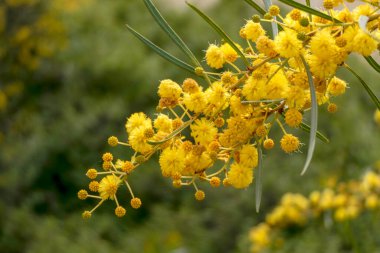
{"x": 71, "y": 74}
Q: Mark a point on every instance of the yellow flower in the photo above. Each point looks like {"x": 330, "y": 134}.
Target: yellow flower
{"x": 195, "y": 102}
{"x": 240, "y": 176}
{"x": 277, "y": 86}
{"x": 189, "y": 85}
{"x": 136, "y": 203}
{"x": 203, "y": 131}
{"x": 108, "y": 187}
{"x": 254, "y": 89}
{"x": 169, "y": 89}
{"x": 266, "y": 46}
{"x": 287, "y": 44}
{"x": 217, "y": 97}
{"x": 120, "y": 211}
{"x": 289, "y": 143}
{"x": 253, "y": 30}
{"x": 376, "y": 117}
{"x": 323, "y": 45}
{"x": 293, "y": 117}
{"x": 296, "y": 97}
{"x": 336, "y": 86}
{"x": 137, "y": 120}
{"x": 363, "y": 43}
{"x": 229, "y": 53}
{"x": 248, "y": 156}
{"x": 320, "y": 67}
{"x": 138, "y": 141}
{"x": 214, "y": 57}
{"x": 172, "y": 160}
{"x": 163, "y": 123}
{"x": 260, "y": 235}
{"x": 197, "y": 163}
{"x": 199, "y": 195}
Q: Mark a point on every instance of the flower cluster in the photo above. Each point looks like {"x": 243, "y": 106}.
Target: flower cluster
{"x": 31, "y": 32}
{"x": 215, "y": 134}
{"x": 344, "y": 202}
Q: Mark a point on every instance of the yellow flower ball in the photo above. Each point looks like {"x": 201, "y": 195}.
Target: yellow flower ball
{"x": 293, "y": 117}
{"x": 214, "y": 57}
{"x": 240, "y": 176}
{"x": 289, "y": 143}
{"x": 200, "y": 195}
{"x": 108, "y": 187}
{"x": 136, "y": 203}
{"x": 120, "y": 211}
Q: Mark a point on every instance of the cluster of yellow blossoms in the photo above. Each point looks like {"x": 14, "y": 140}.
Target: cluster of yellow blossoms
{"x": 216, "y": 134}
{"x": 344, "y": 202}
{"x": 30, "y": 32}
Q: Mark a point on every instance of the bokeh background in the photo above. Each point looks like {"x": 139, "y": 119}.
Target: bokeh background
{"x": 71, "y": 74}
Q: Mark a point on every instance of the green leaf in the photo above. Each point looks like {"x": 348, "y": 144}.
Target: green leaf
{"x": 173, "y": 134}
{"x": 366, "y": 87}
{"x": 314, "y": 117}
{"x": 308, "y": 10}
{"x": 373, "y": 63}
{"x": 256, "y": 6}
{"x": 259, "y": 186}
{"x": 305, "y": 127}
{"x": 262, "y": 101}
{"x": 220, "y": 32}
{"x": 172, "y": 34}
{"x": 162, "y": 52}
{"x": 320, "y": 136}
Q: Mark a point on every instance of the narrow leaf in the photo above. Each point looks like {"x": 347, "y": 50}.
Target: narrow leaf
{"x": 169, "y": 31}
{"x": 262, "y": 101}
{"x": 366, "y": 87}
{"x": 256, "y": 6}
{"x": 320, "y": 136}
{"x": 173, "y": 134}
{"x": 220, "y": 32}
{"x": 363, "y": 20}
{"x": 259, "y": 186}
{"x": 305, "y": 127}
{"x": 373, "y": 63}
{"x": 314, "y": 117}
{"x": 162, "y": 52}
{"x": 308, "y": 10}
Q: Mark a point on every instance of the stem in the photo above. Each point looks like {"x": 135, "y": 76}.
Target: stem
{"x": 117, "y": 202}
{"x": 234, "y": 66}
{"x": 281, "y": 126}
{"x": 129, "y": 188}
{"x": 94, "y": 196}
{"x": 100, "y": 202}
{"x": 123, "y": 143}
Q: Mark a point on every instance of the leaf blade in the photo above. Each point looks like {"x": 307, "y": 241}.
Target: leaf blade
{"x": 309, "y": 10}
{"x": 366, "y": 87}
{"x": 256, "y": 6}
{"x": 320, "y": 136}
{"x": 373, "y": 63}
{"x": 172, "y": 134}
{"x": 220, "y": 32}
{"x": 167, "y": 56}
{"x": 170, "y": 32}
{"x": 314, "y": 117}
{"x": 305, "y": 127}
{"x": 259, "y": 186}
